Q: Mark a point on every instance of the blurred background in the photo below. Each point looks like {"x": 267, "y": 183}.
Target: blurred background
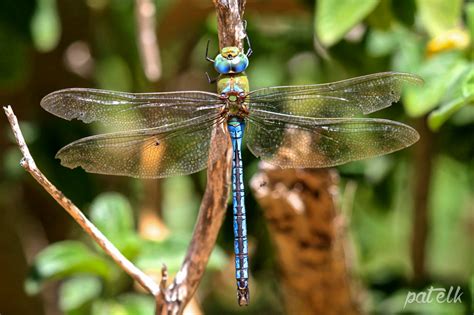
{"x": 410, "y": 214}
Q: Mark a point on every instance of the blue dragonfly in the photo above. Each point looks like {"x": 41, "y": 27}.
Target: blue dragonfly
{"x": 168, "y": 134}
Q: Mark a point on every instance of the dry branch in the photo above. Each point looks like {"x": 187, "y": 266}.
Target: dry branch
{"x": 213, "y": 205}
{"x": 29, "y": 165}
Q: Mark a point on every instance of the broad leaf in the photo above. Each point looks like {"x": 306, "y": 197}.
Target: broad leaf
{"x": 45, "y": 26}
{"x": 64, "y": 259}
{"x": 463, "y": 95}
{"x": 439, "y": 74}
{"x": 77, "y": 291}
{"x": 439, "y": 16}
{"x": 113, "y": 216}
{"x": 334, "y": 19}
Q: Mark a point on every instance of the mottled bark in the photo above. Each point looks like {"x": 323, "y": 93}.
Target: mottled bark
{"x": 308, "y": 234}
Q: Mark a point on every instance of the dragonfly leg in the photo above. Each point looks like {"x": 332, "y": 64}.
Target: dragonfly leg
{"x": 207, "y": 52}
{"x": 211, "y": 81}
{"x": 249, "y": 49}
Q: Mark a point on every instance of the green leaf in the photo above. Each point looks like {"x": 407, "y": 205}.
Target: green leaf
{"x": 126, "y": 304}
{"x": 171, "y": 252}
{"x": 334, "y": 19}
{"x": 381, "y": 43}
{"x": 410, "y": 53}
{"x": 470, "y": 19}
{"x": 45, "y": 26}
{"x": 439, "y": 74}
{"x": 463, "y": 95}
{"x": 77, "y": 291}
{"x": 113, "y": 216}
{"x": 137, "y": 304}
{"x": 439, "y": 16}
{"x": 64, "y": 259}
{"x": 108, "y": 307}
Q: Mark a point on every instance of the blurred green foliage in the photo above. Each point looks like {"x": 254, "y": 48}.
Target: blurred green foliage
{"x": 94, "y": 284}
{"x": 307, "y": 42}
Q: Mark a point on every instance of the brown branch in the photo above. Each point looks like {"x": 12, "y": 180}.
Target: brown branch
{"x": 229, "y": 22}
{"x": 424, "y": 151}
{"x": 213, "y": 205}
{"x": 29, "y": 165}
{"x": 309, "y": 235}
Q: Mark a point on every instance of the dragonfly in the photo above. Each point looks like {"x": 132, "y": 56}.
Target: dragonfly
{"x": 169, "y": 134}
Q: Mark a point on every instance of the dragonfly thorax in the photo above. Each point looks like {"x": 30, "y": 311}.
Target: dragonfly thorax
{"x": 234, "y": 89}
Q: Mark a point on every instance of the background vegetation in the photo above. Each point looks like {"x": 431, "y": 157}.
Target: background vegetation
{"x": 420, "y": 200}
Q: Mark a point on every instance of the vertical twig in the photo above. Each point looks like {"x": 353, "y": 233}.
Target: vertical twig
{"x": 213, "y": 206}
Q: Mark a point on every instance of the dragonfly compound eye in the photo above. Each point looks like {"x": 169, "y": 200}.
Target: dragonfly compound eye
{"x": 240, "y": 63}
{"x": 222, "y": 65}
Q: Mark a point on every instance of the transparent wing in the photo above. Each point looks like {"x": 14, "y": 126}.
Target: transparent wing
{"x": 348, "y": 98}
{"x": 312, "y": 142}
{"x": 130, "y": 110}
{"x": 147, "y": 153}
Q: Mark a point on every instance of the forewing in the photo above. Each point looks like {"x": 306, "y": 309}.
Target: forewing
{"x": 131, "y": 110}
{"x": 347, "y": 98}
{"x": 301, "y": 142}
{"x": 148, "y": 153}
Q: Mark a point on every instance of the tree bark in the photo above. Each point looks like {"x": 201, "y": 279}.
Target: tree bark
{"x": 308, "y": 234}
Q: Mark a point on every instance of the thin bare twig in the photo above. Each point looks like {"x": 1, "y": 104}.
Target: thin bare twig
{"x": 29, "y": 165}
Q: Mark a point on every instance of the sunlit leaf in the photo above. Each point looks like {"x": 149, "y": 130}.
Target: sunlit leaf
{"x": 439, "y": 74}
{"x": 125, "y": 304}
{"x": 45, "y": 26}
{"x": 113, "y": 216}
{"x": 381, "y": 43}
{"x": 137, "y": 304}
{"x": 409, "y": 54}
{"x": 64, "y": 259}
{"x": 171, "y": 252}
{"x": 462, "y": 95}
{"x": 334, "y": 19}
{"x": 439, "y": 16}
{"x": 108, "y": 307}
{"x": 470, "y": 18}
{"x": 77, "y": 291}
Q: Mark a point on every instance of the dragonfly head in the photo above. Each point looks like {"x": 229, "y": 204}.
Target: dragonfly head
{"x": 231, "y": 60}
